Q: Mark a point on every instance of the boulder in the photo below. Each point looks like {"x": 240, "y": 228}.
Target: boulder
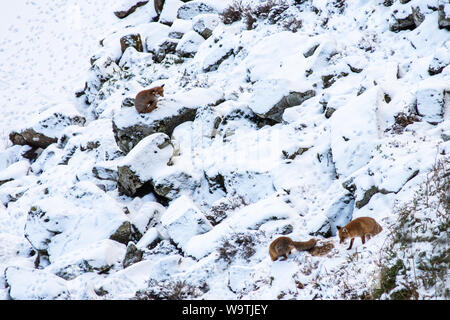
{"x": 430, "y": 103}
{"x": 204, "y": 24}
{"x": 169, "y": 11}
{"x": 159, "y": 5}
{"x": 179, "y": 27}
{"x": 271, "y": 97}
{"x": 140, "y": 166}
{"x": 354, "y": 132}
{"x": 444, "y": 15}
{"x": 188, "y": 45}
{"x": 191, "y": 9}
{"x": 74, "y": 217}
{"x": 128, "y": 8}
{"x": 175, "y": 182}
{"x": 441, "y": 59}
{"x": 131, "y": 40}
{"x": 132, "y": 255}
{"x": 167, "y": 47}
{"x": 406, "y": 19}
{"x": 183, "y": 220}
{"x": 99, "y": 257}
{"x": 47, "y": 127}
{"x": 27, "y": 284}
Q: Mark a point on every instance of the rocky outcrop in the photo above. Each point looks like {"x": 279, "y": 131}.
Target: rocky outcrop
{"x": 48, "y": 127}
{"x": 139, "y": 167}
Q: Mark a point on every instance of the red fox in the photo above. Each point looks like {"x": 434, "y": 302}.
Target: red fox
{"x": 146, "y": 100}
{"x": 360, "y": 227}
{"x": 283, "y": 246}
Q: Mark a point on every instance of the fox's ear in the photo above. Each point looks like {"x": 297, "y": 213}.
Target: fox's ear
{"x": 339, "y": 228}
{"x": 162, "y": 86}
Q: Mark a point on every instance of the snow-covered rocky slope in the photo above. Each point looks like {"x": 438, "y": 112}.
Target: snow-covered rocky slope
{"x": 280, "y": 118}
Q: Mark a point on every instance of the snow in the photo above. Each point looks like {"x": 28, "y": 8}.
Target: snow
{"x": 223, "y": 184}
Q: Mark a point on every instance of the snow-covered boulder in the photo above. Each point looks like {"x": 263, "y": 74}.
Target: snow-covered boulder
{"x": 47, "y": 127}
{"x": 193, "y": 8}
{"x": 33, "y": 284}
{"x": 354, "y": 132}
{"x": 444, "y": 14}
{"x": 188, "y": 44}
{"x": 142, "y": 163}
{"x": 204, "y": 24}
{"x": 441, "y": 59}
{"x": 131, "y": 40}
{"x": 169, "y": 11}
{"x": 99, "y": 257}
{"x": 271, "y": 97}
{"x": 66, "y": 220}
{"x": 14, "y": 171}
{"x": 124, "y": 8}
{"x": 147, "y": 217}
{"x": 183, "y": 220}
{"x": 179, "y": 27}
{"x": 407, "y": 18}
{"x": 173, "y": 182}
{"x": 431, "y": 100}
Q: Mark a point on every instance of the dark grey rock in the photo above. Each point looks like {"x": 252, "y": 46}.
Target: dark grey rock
{"x": 125, "y": 13}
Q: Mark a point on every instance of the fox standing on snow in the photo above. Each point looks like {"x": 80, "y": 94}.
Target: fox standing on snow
{"x": 360, "y": 227}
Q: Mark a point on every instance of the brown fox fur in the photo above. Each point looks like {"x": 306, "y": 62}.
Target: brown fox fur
{"x": 146, "y": 100}
{"x": 283, "y": 246}
{"x": 359, "y": 227}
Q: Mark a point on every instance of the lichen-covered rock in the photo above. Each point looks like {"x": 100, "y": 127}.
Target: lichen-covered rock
{"x": 47, "y": 128}
{"x": 140, "y": 165}
{"x": 183, "y": 220}
{"x": 191, "y": 9}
